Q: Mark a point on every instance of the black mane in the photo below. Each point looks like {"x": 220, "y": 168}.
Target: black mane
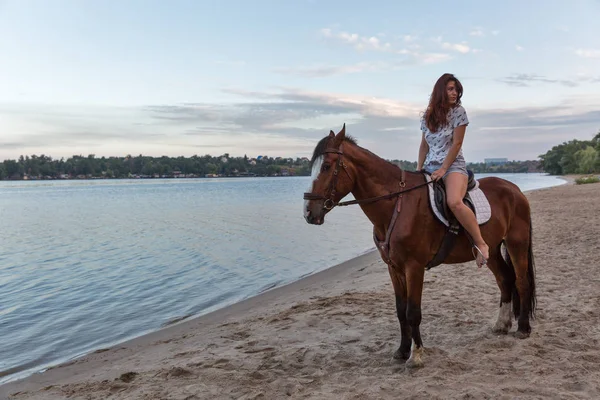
{"x": 387, "y": 167}
{"x": 322, "y": 145}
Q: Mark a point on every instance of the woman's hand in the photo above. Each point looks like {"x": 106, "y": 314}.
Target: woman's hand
{"x": 438, "y": 174}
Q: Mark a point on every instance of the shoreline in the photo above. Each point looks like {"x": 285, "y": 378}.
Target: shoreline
{"x": 210, "y": 316}
{"x": 177, "y": 320}
{"x": 20, "y": 373}
{"x": 279, "y": 298}
{"x": 245, "y": 307}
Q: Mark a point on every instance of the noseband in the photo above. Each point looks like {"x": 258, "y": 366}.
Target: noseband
{"x": 329, "y": 201}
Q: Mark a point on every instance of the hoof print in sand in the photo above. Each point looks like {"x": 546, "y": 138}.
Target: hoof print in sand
{"x": 127, "y": 377}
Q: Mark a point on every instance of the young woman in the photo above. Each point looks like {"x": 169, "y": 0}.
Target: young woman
{"x": 443, "y": 126}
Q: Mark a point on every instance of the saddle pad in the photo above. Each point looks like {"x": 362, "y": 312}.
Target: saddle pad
{"x": 483, "y": 211}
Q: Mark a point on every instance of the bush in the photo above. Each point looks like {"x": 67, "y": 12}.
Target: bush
{"x": 587, "y": 179}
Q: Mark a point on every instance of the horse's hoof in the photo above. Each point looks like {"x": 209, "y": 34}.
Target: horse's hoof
{"x": 414, "y": 363}
{"x": 522, "y": 335}
{"x": 501, "y": 329}
{"x": 401, "y": 355}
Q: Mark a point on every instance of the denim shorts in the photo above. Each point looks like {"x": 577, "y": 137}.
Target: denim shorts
{"x": 459, "y": 165}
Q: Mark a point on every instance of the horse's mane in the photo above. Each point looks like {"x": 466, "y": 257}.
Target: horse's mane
{"x": 322, "y": 145}
{"x": 387, "y": 166}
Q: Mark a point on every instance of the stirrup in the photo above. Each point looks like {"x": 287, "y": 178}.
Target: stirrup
{"x": 482, "y": 263}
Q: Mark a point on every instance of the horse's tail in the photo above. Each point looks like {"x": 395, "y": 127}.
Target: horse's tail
{"x": 531, "y": 272}
{"x": 516, "y": 299}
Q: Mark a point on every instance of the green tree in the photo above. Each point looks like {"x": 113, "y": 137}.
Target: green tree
{"x": 14, "y": 169}
{"x": 586, "y": 160}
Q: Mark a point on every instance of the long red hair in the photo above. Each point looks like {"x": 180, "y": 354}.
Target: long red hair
{"x": 436, "y": 115}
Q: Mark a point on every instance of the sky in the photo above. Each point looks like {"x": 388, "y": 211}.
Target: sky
{"x": 267, "y": 77}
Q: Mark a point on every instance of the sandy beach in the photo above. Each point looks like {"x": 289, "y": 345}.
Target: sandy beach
{"x": 332, "y": 335}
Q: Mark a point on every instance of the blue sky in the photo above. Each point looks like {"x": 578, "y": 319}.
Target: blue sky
{"x": 273, "y": 77}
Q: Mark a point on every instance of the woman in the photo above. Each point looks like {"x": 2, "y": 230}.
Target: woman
{"x": 443, "y": 127}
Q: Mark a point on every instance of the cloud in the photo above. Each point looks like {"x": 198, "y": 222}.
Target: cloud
{"x": 410, "y": 51}
{"x": 324, "y": 103}
{"x": 432, "y": 58}
{"x": 192, "y": 113}
{"x": 459, "y": 47}
{"x": 409, "y": 58}
{"x": 320, "y": 71}
{"x": 588, "y": 78}
{"x": 286, "y": 122}
{"x": 477, "y": 32}
{"x": 525, "y": 80}
{"x": 519, "y": 48}
{"x": 357, "y": 41}
{"x": 588, "y": 53}
{"x": 64, "y": 130}
{"x": 390, "y": 128}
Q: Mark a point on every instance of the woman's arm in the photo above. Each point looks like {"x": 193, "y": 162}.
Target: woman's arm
{"x": 423, "y": 149}
{"x": 457, "y": 141}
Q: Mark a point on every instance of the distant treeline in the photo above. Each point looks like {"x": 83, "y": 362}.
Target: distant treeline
{"x": 509, "y": 167}
{"x": 86, "y": 167}
{"x": 45, "y": 167}
{"x": 574, "y": 157}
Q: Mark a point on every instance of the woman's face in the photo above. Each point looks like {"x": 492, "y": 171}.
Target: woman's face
{"x": 451, "y": 92}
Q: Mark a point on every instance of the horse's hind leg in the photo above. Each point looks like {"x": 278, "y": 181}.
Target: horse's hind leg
{"x": 505, "y": 278}
{"x": 519, "y": 245}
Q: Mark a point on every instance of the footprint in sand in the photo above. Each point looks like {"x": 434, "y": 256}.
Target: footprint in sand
{"x": 127, "y": 377}
{"x": 176, "y": 372}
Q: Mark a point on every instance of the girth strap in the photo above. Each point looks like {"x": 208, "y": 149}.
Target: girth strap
{"x": 384, "y": 246}
{"x": 446, "y": 246}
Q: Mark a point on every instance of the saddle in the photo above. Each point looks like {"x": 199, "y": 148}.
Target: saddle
{"x": 474, "y": 198}
{"x": 440, "y": 207}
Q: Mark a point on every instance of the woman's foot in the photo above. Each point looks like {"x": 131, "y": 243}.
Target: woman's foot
{"x": 483, "y": 253}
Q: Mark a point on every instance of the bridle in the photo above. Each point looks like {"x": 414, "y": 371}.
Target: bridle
{"x": 329, "y": 202}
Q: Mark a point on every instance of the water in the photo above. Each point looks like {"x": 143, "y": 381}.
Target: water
{"x": 87, "y": 264}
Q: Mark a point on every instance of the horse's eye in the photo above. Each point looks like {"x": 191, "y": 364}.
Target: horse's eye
{"x": 325, "y": 167}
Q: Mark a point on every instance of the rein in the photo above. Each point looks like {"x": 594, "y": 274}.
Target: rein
{"x": 385, "y": 196}
{"x": 330, "y": 202}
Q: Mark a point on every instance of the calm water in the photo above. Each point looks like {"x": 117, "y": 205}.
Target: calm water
{"x": 87, "y": 264}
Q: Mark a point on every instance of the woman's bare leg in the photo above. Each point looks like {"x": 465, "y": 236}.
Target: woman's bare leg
{"x": 456, "y": 187}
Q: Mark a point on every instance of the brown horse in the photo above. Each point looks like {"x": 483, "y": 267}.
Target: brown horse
{"x": 392, "y": 197}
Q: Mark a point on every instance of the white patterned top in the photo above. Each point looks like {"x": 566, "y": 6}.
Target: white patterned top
{"x": 440, "y": 142}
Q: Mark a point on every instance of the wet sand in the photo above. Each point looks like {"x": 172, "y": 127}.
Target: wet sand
{"x": 332, "y": 335}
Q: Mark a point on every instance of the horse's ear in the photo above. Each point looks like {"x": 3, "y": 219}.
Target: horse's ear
{"x": 339, "y": 138}
{"x": 331, "y": 134}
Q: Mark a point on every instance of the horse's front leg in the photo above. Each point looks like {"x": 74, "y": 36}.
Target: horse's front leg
{"x": 399, "y": 283}
{"x": 414, "y": 287}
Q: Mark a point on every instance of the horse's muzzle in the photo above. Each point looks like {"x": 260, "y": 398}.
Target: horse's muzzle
{"x": 314, "y": 218}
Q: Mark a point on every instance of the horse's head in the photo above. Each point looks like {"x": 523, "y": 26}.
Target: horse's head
{"x": 328, "y": 183}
